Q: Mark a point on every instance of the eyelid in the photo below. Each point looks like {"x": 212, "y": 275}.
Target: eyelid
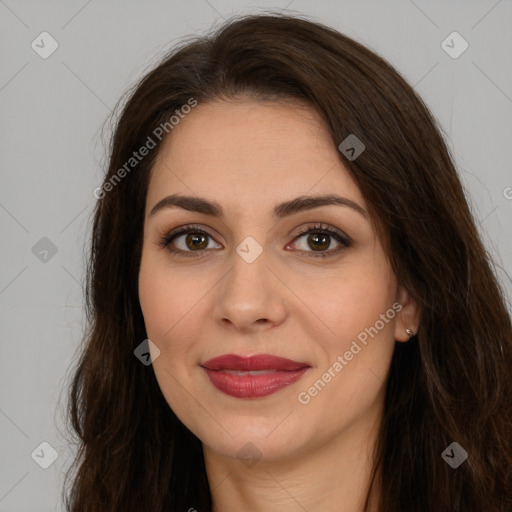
{"x": 324, "y": 228}
{"x": 185, "y": 228}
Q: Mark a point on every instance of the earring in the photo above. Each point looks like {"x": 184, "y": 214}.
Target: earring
{"x": 409, "y": 332}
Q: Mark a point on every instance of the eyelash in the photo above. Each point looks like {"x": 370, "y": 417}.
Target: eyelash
{"x": 320, "y": 228}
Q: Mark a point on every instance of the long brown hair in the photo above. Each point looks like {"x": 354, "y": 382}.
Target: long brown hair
{"x": 452, "y": 382}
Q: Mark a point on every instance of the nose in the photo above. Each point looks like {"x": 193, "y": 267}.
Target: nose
{"x": 250, "y": 297}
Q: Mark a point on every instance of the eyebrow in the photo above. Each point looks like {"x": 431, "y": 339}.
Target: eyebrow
{"x": 299, "y": 204}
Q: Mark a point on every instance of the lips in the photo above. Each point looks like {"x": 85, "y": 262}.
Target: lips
{"x": 253, "y": 363}
{"x": 252, "y": 377}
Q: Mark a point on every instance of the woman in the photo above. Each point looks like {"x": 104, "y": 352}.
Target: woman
{"x": 282, "y": 233}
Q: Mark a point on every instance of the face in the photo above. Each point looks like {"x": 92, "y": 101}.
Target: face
{"x": 245, "y": 277}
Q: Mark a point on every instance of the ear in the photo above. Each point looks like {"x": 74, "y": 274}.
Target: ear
{"x": 408, "y": 317}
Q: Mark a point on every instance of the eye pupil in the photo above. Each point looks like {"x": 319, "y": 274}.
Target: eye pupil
{"x": 193, "y": 241}
{"x": 320, "y": 241}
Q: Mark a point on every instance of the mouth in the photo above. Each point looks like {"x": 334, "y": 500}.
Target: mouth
{"x": 252, "y": 377}
{"x": 251, "y": 372}
{"x": 261, "y": 362}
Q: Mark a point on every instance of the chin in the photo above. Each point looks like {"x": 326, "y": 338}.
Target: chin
{"x": 255, "y": 439}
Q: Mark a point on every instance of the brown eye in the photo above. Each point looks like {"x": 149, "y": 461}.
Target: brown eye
{"x": 196, "y": 241}
{"x": 315, "y": 241}
{"x": 188, "y": 241}
{"x": 319, "y": 241}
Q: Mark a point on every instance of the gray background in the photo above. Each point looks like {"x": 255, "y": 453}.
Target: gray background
{"x": 52, "y": 151}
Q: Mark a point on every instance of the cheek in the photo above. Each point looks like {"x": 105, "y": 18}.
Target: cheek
{"x": 352, "y": 305}
{"x": 169, "y": 301}
{"x": 352, "y": 301}
{"x": 166, "y": 298}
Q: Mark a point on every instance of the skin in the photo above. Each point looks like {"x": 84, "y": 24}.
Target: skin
{"x": 249, "y": 156}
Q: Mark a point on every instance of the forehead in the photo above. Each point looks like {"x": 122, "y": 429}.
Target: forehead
{"x": 252, "y": 154}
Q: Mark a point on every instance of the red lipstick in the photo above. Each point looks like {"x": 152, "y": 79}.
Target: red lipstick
{"x": 252, "y": 377}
